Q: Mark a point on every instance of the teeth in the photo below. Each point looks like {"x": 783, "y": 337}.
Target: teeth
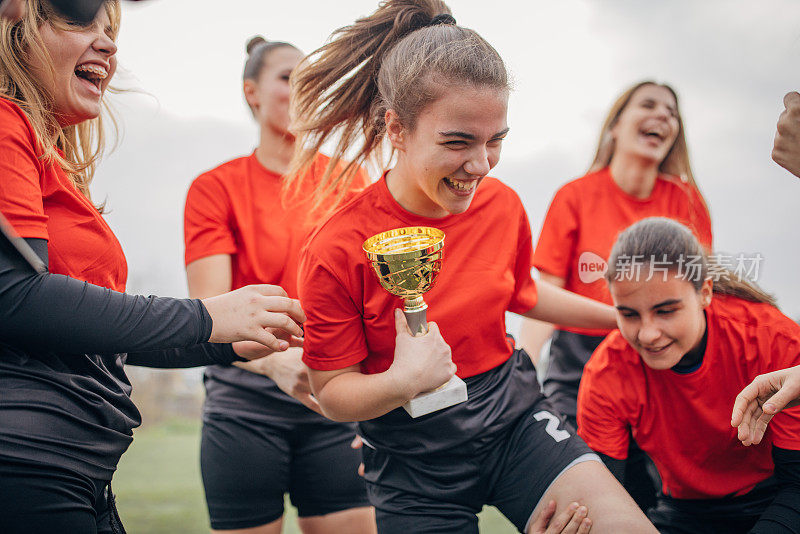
{"x": 97, "y": 70}
{"x": 461, "y": 186}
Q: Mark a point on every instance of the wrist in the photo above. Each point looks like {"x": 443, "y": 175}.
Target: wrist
{"x": 400, "y": 384}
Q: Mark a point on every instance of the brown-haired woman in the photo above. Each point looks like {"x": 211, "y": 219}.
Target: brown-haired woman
{"x": 252, "y": 425}
{"x": 66, "y": 415}
{"x": 691, "y": 336}
{"x": 438, "y": 93}
{"x": 641, "y": 169}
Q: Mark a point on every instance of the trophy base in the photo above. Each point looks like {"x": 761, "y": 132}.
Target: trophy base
{"x": 453, "y": 392}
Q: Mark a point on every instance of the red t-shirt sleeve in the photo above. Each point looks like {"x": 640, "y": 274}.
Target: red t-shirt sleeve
{"x": 557, "y": 240}
{"x": 601, "y": 420}
{"x": 334, "y": 330}
{"x": 20, "y": 173}
{"x": 525, "y": 296}
{"x": 206, "y": 220}
{"x": 785, "y": 350}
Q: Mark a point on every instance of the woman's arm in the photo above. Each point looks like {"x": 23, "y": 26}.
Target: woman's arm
{"x": 534, "y": 334}
{"x": 211, "y": 276}
{"x": 420, "y": 364}
{"x": 58, "y": 313}
{"x": 559, "y": 306}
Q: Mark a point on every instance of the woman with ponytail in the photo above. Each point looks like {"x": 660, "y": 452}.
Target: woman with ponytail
{"x": 259, "y": 418}
{"x": 438, "y": 94}
{"x": 686, "y": 345}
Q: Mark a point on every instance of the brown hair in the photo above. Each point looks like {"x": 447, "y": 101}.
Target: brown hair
{"x": 82, "y": 144}
{"x": 397, "y": 58}
{"x": 676, "y": 162}
{"x": 258, "y": 49}
{"x": 669, "y": 246}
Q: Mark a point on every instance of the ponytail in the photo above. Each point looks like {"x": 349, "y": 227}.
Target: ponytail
{"x": 387, "y": 60}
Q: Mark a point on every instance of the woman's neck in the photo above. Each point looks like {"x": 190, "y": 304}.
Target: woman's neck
{"x": 692, "y": 359}
{"x": 635, "y": 176}
{"x": 274, "y": 150}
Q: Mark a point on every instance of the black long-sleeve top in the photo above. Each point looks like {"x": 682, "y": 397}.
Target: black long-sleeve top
{"x": 64, "y": 396}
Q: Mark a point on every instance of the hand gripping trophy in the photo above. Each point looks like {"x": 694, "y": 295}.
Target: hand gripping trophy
{"x": 407, "y": 261}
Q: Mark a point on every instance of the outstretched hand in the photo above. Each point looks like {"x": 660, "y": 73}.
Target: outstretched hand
{"x": 758, "y": 403}
{"x": 261, "y": 313}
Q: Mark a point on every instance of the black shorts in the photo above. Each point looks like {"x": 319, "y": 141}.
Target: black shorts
{"x": 42, "y": 499}
{"x": 247, "y": 466}
{"x": 510, "y": 467}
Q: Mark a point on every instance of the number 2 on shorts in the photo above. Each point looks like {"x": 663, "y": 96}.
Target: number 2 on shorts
{"x": 552, "y": 425}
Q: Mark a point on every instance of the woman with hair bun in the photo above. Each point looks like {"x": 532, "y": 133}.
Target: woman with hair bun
{"x": 686, "y": 345}
{"x": 68, "y": 328}
{"x": 261, "y": 434}
{"x": 438, "y": 94}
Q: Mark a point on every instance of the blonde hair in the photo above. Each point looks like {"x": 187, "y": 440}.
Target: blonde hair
{"x": 397, "y": 58}
{"x": 669, "y": 245}
{"x": 676, "y": 162}
{"x": 81, "y": 144}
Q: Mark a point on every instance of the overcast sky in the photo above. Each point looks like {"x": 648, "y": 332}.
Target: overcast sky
{"x": 730, "y": 61}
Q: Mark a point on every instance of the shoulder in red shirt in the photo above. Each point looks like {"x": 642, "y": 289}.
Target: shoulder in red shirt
{"x": 485, "y": 272}
{"x": 683, "y": 420}
{"x": 238, "y": 209}
{"x": 39, "y": 201}
{"x": 587, "y": 214}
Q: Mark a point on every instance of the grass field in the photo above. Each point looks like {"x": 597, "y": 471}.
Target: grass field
{"x": 159, "y": 490}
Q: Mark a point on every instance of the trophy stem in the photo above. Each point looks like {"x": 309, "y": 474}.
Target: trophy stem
{"x": 415, "y": 311}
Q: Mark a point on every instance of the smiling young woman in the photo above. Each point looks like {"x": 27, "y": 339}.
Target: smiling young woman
{"x": 438, "y": 94}
{"x": 66, "y": 415}
{"x": 685, "y": 347}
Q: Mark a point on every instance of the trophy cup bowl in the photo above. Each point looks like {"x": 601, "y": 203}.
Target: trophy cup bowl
{"x": 407, "y": 261}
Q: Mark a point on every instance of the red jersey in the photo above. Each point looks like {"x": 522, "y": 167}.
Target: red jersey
{"x": 587, "y": 214}
{"x": 485, "y": 272}
{"x": 39, "y": 201}
{"x": 237, "y": 209}
{"x": 683, "y": 420}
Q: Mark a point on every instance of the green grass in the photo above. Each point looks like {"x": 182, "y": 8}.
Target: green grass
{"x": 159, "y": 490}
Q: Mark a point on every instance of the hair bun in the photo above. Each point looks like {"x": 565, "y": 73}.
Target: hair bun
{"x": 254, "y": 42}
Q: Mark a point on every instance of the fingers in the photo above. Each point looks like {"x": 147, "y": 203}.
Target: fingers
{"x": 743, "y": 400}
{"x": 541, "y": 522}
{"x": 576, "y": 519}
{"x": 270, "y": 341}
{"x": 779, "y": 400}
{"x": 357, "y": 442}
{"x": 400, "y": 323}
{"x": 560, "y": 521}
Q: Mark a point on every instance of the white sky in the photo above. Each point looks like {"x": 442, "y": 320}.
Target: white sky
{"x": 731, "y": 62}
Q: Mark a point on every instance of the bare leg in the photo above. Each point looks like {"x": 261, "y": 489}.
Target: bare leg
{"x": 353, "y": 521}
{"x": 269, "y": 528}
{"x": 611, "y": 509}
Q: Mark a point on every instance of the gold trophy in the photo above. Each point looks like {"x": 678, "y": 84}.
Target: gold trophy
{"x": 407, "y": 261}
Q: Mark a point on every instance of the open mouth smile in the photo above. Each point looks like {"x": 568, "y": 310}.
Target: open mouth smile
{"x": 92, "y": 73}
{"x": 461, "y": 186}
